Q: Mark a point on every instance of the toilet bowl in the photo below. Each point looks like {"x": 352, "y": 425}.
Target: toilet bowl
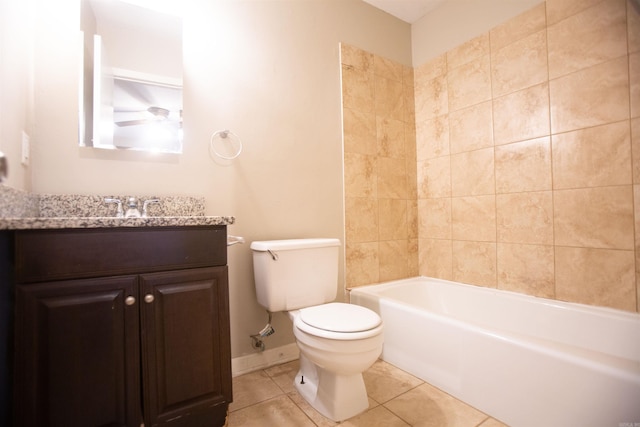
{"x": 337, "y": 343}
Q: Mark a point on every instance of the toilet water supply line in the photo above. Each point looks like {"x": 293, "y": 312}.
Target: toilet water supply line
{"x": 265, "y": 332}
{"x": 268, "y": 329}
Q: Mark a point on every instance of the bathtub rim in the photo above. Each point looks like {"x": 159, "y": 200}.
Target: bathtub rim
{"x": 511, "y": 294}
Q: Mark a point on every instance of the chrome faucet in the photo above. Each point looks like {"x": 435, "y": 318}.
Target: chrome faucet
{"x": 147, "y": 203}
{"x": 119, "y": 213}
{"x": 3, "y": 167}
{"x": 132, "y": 209}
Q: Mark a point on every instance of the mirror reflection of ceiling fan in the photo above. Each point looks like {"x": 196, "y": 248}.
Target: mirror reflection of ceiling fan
{"x": 156, "y": 114}
{"x": 137, "y": 103}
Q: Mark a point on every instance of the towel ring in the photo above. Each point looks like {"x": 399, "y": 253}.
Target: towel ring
{"x": 234, "y": 140}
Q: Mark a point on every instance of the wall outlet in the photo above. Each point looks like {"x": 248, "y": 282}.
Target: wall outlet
{"x": 25, "y": 149}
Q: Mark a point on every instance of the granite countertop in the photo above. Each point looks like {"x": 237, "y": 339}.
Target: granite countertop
{"x": 23, "y": 211}
{"x": 106, "y": 222}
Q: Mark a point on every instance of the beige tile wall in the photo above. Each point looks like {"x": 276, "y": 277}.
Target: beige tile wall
{"x": 380, "y": 168}
{"x": 527, "y": 159}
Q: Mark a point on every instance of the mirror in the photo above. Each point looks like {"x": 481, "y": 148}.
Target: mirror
{"x": 131, "y": 91}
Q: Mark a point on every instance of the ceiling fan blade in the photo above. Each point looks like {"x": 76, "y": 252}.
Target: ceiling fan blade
{"x": 159, "y": 114}
{"x": 133, "y": 122}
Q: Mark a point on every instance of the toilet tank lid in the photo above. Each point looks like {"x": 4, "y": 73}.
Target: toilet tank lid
{"x": 283, "y": 245}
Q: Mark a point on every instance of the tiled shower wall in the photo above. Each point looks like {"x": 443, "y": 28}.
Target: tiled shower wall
{"x": 380, "y": 168}
{"x": 528, "y": 157}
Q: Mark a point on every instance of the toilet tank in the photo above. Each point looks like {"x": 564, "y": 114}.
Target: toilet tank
{"x": 295, "y": 273}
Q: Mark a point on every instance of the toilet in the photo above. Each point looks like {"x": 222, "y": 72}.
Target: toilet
{"x": 337, "y": 341}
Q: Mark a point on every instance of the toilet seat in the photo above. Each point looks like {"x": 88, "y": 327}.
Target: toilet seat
{"x": 339, "y": 321}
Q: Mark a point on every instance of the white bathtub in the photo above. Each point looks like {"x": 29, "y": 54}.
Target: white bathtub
{"x": 524, "y": 360}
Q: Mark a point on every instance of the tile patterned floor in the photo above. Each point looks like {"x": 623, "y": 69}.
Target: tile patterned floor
{"x": 268, "y": 398}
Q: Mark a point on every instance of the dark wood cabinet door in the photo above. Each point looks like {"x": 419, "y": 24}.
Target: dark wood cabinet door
{"x": 77, "y": 353}
{"x": 185, "y": 347}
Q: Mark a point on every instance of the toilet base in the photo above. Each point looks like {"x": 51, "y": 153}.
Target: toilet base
{"x": 335, "y": 396}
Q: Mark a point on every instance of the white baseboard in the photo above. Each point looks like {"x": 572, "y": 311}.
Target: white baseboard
{"x": 264, "y": 359}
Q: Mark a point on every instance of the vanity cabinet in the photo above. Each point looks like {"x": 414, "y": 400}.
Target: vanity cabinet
{"x": 121, "y": 327}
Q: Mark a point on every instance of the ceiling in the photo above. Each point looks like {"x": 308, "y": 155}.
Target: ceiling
{"x": 128, "y": 14}
{"x": 407, "y": 10}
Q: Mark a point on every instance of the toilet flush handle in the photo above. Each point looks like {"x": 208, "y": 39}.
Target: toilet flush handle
{"x": 273, "y": 254}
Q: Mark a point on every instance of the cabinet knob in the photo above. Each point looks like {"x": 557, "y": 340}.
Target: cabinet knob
{"x": 129, "y": 300}
{"x": 148, "y": 298}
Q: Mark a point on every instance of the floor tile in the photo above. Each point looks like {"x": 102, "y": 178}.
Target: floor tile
{"x": 279, "y": 411}
{"x": 252, "y": 388}
{"x": 384, "y": 381}
{"x": 284, "y": 375}
{"x": 426, "y": 406}
{"x": 315, "y": 416}
{"x": 268, "y": 398}
{"x": 376, "y": 417}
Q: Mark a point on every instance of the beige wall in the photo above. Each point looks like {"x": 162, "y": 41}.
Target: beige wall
{"x": 16, "y": 40}
{"x": 524, "y": 148}
{"x": 456, "y": 22}
{"x": 267, "y": 70}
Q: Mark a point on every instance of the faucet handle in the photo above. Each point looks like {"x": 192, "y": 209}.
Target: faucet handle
{"x": 3, "y": 167}
{"x": 145, "y": 204}
{"x": 119, "y": 212}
